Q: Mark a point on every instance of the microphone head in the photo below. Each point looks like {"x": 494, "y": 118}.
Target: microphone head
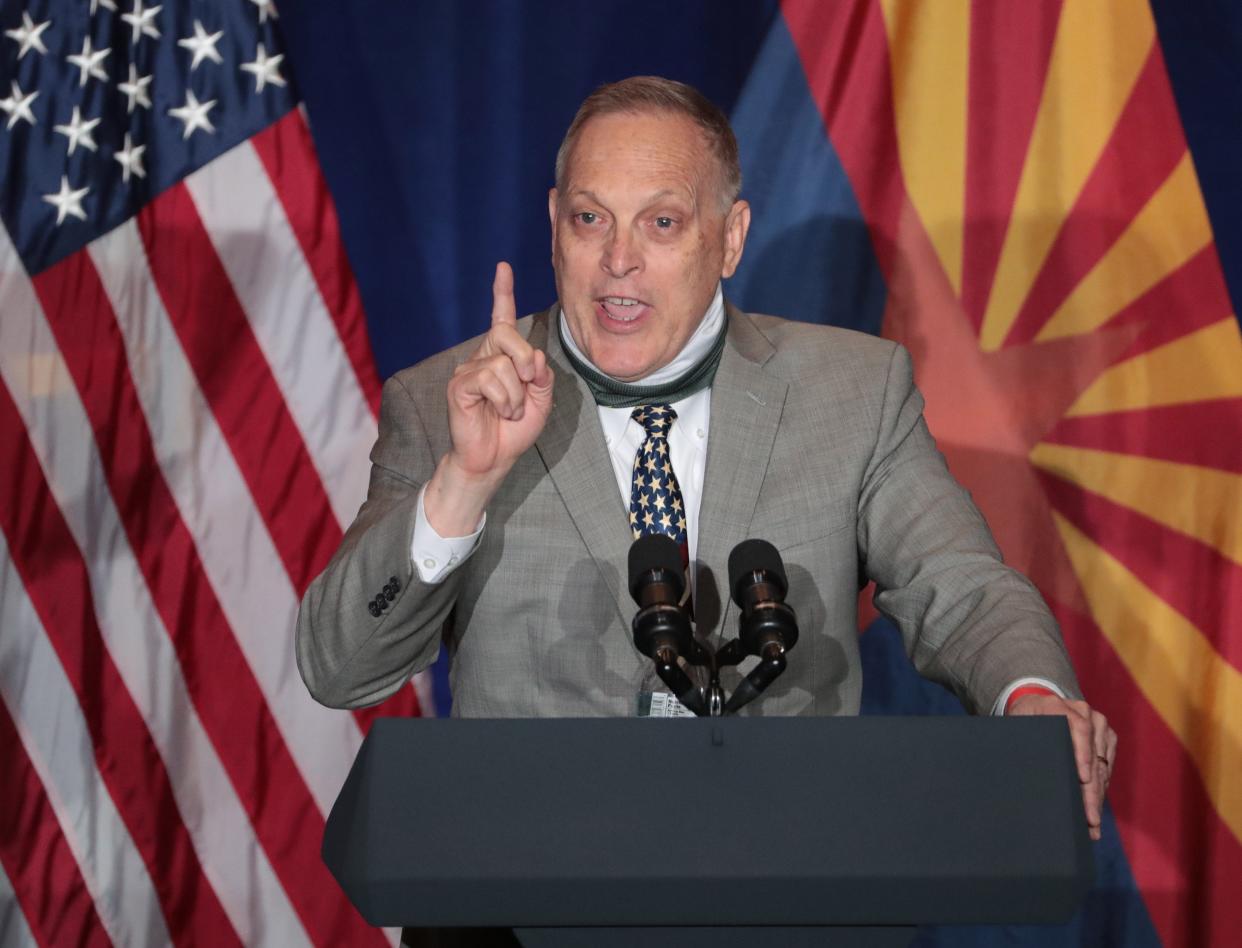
{"x": 655, "y": 552}
{"x": 755, "y": 556}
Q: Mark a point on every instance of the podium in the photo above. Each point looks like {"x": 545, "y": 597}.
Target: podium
{"x": 712, "y": 831}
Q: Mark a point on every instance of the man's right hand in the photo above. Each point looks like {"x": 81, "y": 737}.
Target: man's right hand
{"x": 498, "y": 402}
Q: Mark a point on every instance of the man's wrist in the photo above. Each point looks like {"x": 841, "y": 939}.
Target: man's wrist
{"x": 1026, "y": 691}
{"x": 435, "y": 556}
{"x": 1010, "y": 694}
{"x": 455, "y": 501}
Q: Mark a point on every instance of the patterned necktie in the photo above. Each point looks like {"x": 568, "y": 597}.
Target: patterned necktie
{"x": 655, "y": 496}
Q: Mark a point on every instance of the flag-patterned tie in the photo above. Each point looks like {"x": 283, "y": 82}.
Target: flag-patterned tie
{"x": 655, "y": 496}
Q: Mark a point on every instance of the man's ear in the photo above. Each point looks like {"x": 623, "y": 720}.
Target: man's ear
{"x": 737, "y": 223}
{"x": 553, "y": 200}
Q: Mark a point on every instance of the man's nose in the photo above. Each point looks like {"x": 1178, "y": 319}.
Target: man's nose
{"x": 621, "y": 255}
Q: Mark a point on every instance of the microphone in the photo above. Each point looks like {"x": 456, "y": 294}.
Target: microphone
{"x": 656, "y": 571}
{"x": 756, "y": 574}
{"x": 661, "y": 627}
{"x": 768, "y": 627}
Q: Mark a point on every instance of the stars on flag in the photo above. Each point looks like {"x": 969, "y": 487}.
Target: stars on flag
{"x": 89, "y": 62}
{"x": 140, "y": 20}
{"x": 130, "y": 158}
{"x": 265, "y": 7}
{"x": 79, "y": 131}
{"x": 203, "y": 45}
{"x": 263, "y": 68}
{"x": 67, "y": 201}
{"x": 194, "y": 114}
{"x": 28, "y": 36}
{"x": 85, "y": 141}
{"x": 135, "y": 90}
{"x": 17, "y": 105}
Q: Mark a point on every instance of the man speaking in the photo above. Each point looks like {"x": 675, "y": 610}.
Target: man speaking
{"x": 512, "y": 474}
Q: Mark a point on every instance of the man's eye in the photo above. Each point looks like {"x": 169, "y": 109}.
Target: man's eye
{"x": 664, "y": 223}
{"x": 588, "y": 217}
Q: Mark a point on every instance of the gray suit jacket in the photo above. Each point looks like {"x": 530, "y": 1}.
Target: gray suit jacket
{"x": 817, "y": 444}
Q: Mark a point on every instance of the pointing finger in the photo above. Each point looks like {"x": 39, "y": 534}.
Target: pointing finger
{"x": 504, "y": 309}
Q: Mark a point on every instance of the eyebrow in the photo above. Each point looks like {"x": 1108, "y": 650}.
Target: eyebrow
{"x": 658, "y": 196}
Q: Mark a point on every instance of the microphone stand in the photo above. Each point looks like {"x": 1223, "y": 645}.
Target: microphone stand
{"x": 768, "y": 629}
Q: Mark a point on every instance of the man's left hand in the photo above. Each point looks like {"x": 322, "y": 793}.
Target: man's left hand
{"x": 1095, "y": 747}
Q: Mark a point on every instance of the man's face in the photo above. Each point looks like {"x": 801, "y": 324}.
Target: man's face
{"x": 640, "y": 240}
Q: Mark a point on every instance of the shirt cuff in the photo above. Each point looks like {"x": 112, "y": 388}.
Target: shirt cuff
{"x": 434, "y": 556}
{"x": 998, "y": 709}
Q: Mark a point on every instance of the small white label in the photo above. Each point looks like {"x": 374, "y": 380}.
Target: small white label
{"x": 661, "y": 704}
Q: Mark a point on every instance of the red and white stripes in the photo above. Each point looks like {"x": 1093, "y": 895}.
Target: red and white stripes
{"x": 186, "y": 409}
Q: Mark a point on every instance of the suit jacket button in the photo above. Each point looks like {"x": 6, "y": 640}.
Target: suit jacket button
{"x": 392, "y": 581}
{"x": 390, "y": 594}
{"x": 373, "y": 609}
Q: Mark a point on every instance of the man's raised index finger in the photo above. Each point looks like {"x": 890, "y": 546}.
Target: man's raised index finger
{"x": 504, "y": 309}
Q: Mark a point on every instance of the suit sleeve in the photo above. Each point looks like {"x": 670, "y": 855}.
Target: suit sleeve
{"x": 968, "y": 621}
{"x": 348, "y": 655}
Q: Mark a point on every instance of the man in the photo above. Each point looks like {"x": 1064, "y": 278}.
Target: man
{"x": 512, "y": 473}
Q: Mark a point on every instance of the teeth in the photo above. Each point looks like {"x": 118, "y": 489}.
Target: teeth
{"x": 621, "y": 301}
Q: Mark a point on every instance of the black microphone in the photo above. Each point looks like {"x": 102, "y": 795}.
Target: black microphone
{"x": 661, "y": 626}
{"x": 656, "y": 571}
{"x": 756, "y": 574}
{"x": 767, "y": 626}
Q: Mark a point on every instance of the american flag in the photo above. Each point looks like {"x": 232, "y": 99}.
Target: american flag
{"x": 187, "y": 400}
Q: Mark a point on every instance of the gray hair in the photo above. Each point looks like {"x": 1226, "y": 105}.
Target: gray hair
{"x": 640, "y": 94}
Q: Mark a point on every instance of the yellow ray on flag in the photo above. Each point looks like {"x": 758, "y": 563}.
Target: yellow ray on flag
{"x": 929, "y": 48}
{"x": 1198, "y": 501}
{"x": 1099, "y": 51}
{"x": 1201, "y": 366}
{"x": 1170, "y": 229}
{"x": 1194, "y": 690}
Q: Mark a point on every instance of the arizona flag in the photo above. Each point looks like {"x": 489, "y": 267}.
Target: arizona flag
{"x": 1049, "y": 261}
{"x": 187, "y": 399}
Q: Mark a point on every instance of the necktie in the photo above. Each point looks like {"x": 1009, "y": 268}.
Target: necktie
{"x": 655, "y": 496}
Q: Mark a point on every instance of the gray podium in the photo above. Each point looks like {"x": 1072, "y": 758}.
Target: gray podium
{"x": 712, "y": 831}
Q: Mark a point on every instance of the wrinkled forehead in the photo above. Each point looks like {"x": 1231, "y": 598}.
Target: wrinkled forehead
{"x": 655, "y": 150}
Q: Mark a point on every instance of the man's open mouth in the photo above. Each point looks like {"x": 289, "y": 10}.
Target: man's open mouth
{"x": 624, "y": 309}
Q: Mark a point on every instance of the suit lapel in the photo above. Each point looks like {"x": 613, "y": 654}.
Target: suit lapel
{"x": 746, "y": 410}
{"x": 573, "y": 450}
